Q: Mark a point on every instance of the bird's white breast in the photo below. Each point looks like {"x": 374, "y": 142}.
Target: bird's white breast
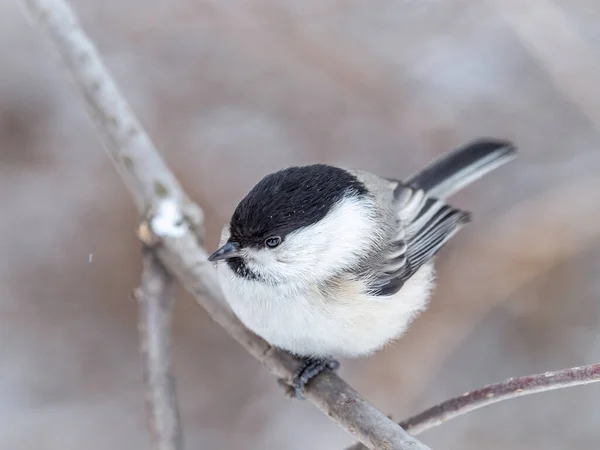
{"x": 341, "y": 321}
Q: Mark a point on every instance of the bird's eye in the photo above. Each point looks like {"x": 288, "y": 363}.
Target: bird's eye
{"x": 273, "y": 241}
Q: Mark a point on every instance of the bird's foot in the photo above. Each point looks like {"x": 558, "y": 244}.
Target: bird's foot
{"x": 310, "y": 368}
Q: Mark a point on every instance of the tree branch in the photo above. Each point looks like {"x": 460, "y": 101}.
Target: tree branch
{"x": 174, "y": 223}
{"x": 505, "y": 390}
{"x": 155, "y": 298}
{"x": 493, "y": 393}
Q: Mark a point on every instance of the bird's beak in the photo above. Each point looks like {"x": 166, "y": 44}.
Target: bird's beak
{"x": 229, "y": 250}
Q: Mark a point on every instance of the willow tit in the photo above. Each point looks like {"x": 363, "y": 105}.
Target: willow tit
{"x": 323, "y": 261}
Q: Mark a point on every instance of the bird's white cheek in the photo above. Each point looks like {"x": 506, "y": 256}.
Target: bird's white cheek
{"x": 262, "y": 262}
{"x": 335, "y": 243}
{"x": 262, "y": 257}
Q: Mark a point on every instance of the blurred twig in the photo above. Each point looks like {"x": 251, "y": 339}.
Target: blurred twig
{"x": 173, "y": 223}
{"x": 155, "y": 298}
{"x": 493, "y": 393}
{"x": 505, "y": 390}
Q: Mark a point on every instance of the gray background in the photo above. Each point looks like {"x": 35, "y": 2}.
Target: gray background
{"x": 232, "y": 90}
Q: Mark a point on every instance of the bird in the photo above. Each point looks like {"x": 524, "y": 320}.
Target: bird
{"x": 326, "y": 262}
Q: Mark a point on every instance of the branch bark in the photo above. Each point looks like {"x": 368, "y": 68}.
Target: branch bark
{"x": 176, "y": 223}
{"x": 497, "y": 392}
{"x": 505, "y": 390}
{"x": 155, "y": 298}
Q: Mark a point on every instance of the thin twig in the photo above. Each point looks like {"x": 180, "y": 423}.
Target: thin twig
{"x": 505, "y": 390}
{"x": 493, "y": 393}
{"x": 155, "y": 298}
{"x": 176, "y": 222}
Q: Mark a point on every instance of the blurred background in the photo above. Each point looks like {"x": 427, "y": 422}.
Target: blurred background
{"x": 232, "y": 90}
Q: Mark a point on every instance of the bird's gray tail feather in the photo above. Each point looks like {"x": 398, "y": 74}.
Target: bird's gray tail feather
{"x": 451, "y": 172}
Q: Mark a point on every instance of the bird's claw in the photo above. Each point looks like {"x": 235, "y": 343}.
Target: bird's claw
{"x": 310, "y": 368}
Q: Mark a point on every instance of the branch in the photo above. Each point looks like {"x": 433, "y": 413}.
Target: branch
{"x": 173, "y": 223}
{"x": 505, "y": 390}
{"x": 493, "y": 393}
{"x": 155, "y": 298}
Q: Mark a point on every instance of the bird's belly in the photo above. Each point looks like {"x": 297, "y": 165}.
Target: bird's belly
{"x": 284, "y": 321}
{"x": 308, "y": 324}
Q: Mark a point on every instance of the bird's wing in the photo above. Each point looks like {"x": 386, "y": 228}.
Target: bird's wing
{"x": 425, "y": 221}
{"x": 424, "y": 225}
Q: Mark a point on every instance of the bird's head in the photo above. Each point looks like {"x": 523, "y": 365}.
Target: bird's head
{"x": 300, "y": 225}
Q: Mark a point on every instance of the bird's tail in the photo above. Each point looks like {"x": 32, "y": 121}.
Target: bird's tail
{"x": 451, "y": 172}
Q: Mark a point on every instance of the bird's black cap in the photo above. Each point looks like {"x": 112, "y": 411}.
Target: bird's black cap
{"x": 290, "y": 199}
